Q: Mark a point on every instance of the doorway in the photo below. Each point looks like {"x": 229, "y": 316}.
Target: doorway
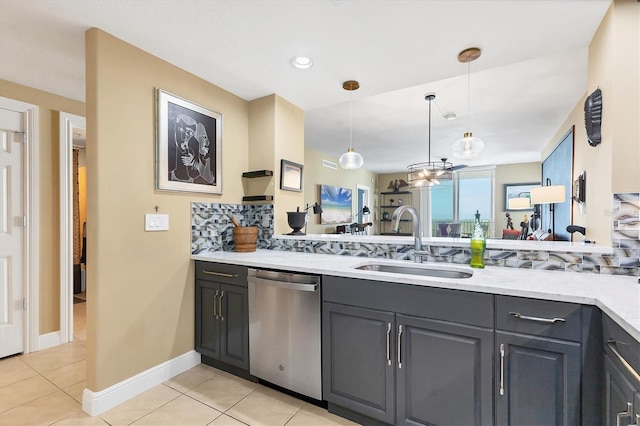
{"x": 72, "y": 219}
{"x": 363, "y": 200}
{"x": 19, "y": 254}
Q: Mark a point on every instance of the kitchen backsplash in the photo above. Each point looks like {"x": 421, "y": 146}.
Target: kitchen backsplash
{"x": 212, "y": 230}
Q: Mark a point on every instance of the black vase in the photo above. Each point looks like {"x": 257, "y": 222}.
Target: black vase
{"x": 296, "y": 221}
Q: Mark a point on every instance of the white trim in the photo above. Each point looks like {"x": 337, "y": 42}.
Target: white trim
{"x": 32, "y": 252}
{"x": 49, "y": 340}
{"x": 96, "y": 403}
{"x": 67, "y": 123}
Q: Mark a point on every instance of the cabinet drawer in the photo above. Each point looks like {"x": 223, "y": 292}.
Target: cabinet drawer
{"x": 427, "y": 302}
{"x": 558, "y": 320}
{"x": 221, "y": 273}
{"x": 626, "y": 346}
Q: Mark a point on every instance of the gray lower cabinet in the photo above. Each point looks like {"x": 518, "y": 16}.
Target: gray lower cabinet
{"x": 357, "y": 373}
{"x": 444, "y": 374}
{"x": 538, "y": 369}
{"x": 394, "y": 367}
{"x": 622, "y": 398}
{"x": 222, "y": 314}
{"x": 538, "y": 381}
{"x": 621, "y": 376}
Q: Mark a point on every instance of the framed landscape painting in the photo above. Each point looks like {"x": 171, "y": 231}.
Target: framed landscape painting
{"x": 336, "y": 205}
{"x": 188, "y": 146}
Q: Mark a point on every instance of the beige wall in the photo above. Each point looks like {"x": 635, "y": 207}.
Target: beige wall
{"x": 140, "y": 298}
{"x": 276, "y": 132}
{"x": 289, "y": 145}
{"x": 512, "y": 173}
{"x": 612, "y": 166}
{"x": 315, "y": 174}
{"x": 49, "y": 197}
{"x": 624, "y": 110}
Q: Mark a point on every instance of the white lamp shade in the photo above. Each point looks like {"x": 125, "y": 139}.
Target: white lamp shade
{"x": 351, "y": 160}
{"x": 548, "y": 194}
{"x": 468, "y": 147}
{"x": 520, "y": 203}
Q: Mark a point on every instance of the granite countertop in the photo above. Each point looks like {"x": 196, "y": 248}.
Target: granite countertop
{"x": 617, "y": 296}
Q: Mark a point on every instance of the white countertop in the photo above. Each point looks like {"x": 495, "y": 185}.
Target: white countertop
{"x": 617, "y": 296}
{"x": 522, "y": 245}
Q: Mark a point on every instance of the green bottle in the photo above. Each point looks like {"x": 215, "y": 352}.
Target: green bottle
{"x": 478, "y": 244}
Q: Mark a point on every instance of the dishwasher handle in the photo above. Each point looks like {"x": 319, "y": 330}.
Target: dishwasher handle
{"x": 284, "y": 284}
{"x": 285, "y": 280}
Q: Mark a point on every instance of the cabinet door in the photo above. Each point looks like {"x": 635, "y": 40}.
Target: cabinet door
{"x": 358, "y": 367}
{"x": 207, "y": 339}
{"x": 539, "y": 379}
{"x": 234, "y": 324}
{"x": 618, "y": 393}
{"x": 446, "y": 375}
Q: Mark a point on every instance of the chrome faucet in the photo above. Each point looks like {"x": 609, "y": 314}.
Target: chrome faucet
{"x": 417, "y": 229}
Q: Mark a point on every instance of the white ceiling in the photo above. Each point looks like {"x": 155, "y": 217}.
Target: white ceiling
{"x": 532, "y": 72}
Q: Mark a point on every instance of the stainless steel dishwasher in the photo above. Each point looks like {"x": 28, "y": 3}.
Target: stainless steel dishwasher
{"x": 284, "y": 330}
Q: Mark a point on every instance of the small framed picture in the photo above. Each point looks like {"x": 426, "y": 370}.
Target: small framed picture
{"x": 290, "y": 176}
{"x": 188, "y": 146}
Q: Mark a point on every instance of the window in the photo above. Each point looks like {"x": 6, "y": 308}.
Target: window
{"x": 456, "y": 202}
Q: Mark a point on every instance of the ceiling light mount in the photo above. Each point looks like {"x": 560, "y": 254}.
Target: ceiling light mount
{"x": 351, "y": 160}
{"x": 469, "y": 146}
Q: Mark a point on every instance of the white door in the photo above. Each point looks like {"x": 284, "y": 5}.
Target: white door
{"x": 12, "y": 232}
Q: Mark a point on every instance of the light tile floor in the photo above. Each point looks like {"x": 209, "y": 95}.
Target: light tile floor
{"x": 45, "y": 388}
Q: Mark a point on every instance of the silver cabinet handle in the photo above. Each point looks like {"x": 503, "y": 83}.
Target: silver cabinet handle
{"x": 389, "y": 343}
{"x": 612, "y": 345}
{"x": 624, "y": 414}
{"x": 537, "y": 319}
{"x": 215, "y": 305}
{"x": 220, "y": 305}
{"x": 501, "y": 368}
{"x": 637, "y": 420}
{"x": 220, "y": 274}
{"x": 400, "y": 346}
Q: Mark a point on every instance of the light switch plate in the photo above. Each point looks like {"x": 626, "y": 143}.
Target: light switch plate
{"x": 156, "y": 222}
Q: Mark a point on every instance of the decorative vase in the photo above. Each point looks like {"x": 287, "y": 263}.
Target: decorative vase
{"x": 296, "y": 221}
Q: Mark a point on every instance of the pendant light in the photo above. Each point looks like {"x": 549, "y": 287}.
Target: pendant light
{"x": 351, "y": 160}
{"x": 431, "y": 172}
{"x": 469, "y": 146}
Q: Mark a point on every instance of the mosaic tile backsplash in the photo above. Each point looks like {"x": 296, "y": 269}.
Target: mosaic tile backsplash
{"x": 212, "y": 230}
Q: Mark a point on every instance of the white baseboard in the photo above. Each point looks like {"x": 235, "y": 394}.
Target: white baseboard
{"x": 96, "y": 403}
{"x": 49, "y": 340}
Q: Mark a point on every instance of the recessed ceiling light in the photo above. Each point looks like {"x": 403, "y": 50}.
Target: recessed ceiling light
{"x": 301, "y": 62}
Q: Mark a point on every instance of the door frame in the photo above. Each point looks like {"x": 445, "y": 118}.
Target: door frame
{"x": 31, "y": 286}
{"x": 67, "y": 123}
{"x": 367, "y": 196}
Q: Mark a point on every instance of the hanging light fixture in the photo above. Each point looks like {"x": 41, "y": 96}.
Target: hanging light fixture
{"x": 469, "y": 146}
{"x": 351, "y": 160}
{"x": 431, "y": 172}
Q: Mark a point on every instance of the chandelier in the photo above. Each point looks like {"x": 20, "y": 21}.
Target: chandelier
{"x": 429, "y": 173}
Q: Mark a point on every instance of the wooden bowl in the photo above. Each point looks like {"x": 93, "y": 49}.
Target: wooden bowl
{"x": 245, "y": 238}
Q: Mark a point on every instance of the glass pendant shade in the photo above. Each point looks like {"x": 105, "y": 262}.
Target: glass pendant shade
{"x": 351, "y": 160}
{"x": 468, "y": 147}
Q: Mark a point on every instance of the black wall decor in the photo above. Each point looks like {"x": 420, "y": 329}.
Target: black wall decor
{"x": 593, "y": 117}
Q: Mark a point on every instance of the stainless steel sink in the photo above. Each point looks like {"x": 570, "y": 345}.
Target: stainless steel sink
{"x": 412, "y": 270}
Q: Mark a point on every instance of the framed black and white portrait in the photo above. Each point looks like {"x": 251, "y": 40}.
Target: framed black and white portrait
{"x": 188, "y": 146}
